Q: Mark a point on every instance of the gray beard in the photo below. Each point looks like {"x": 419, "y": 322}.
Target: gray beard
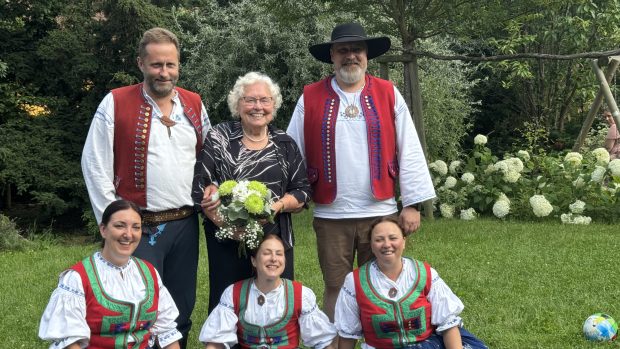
{"x": 350, "y": 77}
{"x": 160, "y": 92}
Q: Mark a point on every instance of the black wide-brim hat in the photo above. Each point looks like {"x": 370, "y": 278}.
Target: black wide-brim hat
{"x": 351, "y": 32}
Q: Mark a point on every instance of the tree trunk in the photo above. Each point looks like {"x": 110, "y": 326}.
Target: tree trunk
{"x": 413, "y": 97}
{"x": 7, "y": 197}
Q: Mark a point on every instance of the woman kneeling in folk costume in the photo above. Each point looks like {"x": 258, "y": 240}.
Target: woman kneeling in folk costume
{"x": 397, "y": 302}
{"x": 111, "y": 299}
{"x": 268, "y": 311}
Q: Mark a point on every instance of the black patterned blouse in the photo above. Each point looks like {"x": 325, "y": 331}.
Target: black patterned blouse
{"x": 279, "y": 165}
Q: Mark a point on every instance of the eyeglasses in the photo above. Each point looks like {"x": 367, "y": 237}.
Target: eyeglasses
{"x": 254, "y": 100}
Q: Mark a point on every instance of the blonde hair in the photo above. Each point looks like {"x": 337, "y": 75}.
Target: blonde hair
{"x": 158, "y": 36}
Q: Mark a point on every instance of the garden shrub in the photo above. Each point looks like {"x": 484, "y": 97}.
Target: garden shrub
{"x": 572, "y": 187}
{"x": 10, "y": 237}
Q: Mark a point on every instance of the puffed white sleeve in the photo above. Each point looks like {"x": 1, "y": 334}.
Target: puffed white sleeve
{"x": 416, "y": 184}
{"x": 98, "y": 158}
{"x": 316, "y": 329}
{"x": 64, "y": 319}
{"x": 446, "y": 306}
{"x": 347, "y": 314}
{"x": 165, "y": 327}
{"x": 221, "y": 325}
{"x": 295, "y": 127}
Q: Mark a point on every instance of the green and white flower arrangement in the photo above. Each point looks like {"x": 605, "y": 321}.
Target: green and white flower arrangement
{"x": 244, "y": 204}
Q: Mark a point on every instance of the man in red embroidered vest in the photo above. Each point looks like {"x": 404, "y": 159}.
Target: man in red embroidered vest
{"x": 359, "y": 142}
{"x": 142, "y": 147}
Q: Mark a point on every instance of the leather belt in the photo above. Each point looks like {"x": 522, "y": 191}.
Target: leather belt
{"x": 154, "y": 218}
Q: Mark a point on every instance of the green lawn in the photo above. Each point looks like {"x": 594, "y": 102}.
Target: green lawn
{"x": 524, "y": 285}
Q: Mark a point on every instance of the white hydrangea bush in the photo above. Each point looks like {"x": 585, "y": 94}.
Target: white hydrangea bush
{"x": 571, "y": 187}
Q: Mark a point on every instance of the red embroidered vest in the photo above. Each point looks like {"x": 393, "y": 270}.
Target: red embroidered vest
{"x": 283, "y": 334}
{"x": 132, "y": 121}
{"x": 112, "y": 321}
{"x": 321, "y": 104}
{"x": 397, "y": 323}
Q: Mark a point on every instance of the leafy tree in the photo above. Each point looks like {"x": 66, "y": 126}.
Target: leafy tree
{"x": 412, "y": 24}
{"x": 22, "y": 25}
{"x": 446, "y": 87}
{"x": 60, "y": 59}
{"x": 552, "y": 94}
{"x": 223, "y": 43}
{"x": 276, "y": 43}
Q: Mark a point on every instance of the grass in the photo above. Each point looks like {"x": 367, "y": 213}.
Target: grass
{"x": 524, "y": 285}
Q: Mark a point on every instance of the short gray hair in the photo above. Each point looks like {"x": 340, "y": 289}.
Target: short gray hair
{"x": 252, "y": 78}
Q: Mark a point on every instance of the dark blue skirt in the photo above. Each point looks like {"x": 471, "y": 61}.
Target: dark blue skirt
{"x": 435, "y": 341}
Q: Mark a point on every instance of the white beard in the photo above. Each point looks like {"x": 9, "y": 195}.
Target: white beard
{"x": 350, "y": 76}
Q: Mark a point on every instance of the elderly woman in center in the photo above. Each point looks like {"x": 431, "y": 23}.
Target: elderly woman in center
{"x": 249, "y": 148}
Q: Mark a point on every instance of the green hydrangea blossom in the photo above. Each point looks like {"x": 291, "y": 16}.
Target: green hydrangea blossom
{"x": 227, "y": 187}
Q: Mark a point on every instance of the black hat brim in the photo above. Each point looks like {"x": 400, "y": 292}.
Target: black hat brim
{"x": 376, "y": 47}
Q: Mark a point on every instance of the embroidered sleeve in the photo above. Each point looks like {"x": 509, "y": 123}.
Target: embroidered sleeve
{"x": 98, "y": 158}
{"x": 206, "y": 123}
{"x": 221, "y": 325}
{"x": 415, "y": 179}
{"x": 298, "y": 184}
{"x": 165, "y": 327}
{"x": 316, "y": 329}
{"x": 64, "y": 319}
{"x": 446, "y": 306}
{"x": 296, "y": 126}
{"x": 347, "y": 314}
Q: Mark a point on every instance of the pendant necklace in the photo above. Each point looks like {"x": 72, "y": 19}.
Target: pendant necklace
{"x": 351, "y": 110}
{"x": 392, "y": 292}
{"x": 260, "y": 299}
{"x": 166, "y": 121}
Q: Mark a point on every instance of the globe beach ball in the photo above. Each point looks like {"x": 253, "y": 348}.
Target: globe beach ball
{"x": 600, "y": 327}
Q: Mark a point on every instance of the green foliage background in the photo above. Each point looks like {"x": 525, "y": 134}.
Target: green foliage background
{"x": 66, "y": 55}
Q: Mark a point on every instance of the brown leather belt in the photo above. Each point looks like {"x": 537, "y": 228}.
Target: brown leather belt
{"x": 153, "y": 218}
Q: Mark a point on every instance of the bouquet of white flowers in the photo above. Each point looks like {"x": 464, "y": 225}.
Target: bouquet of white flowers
{"x": 243, "y": 205}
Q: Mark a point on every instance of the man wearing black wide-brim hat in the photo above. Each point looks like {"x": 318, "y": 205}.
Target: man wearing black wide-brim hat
{"x": 359, "y": 142}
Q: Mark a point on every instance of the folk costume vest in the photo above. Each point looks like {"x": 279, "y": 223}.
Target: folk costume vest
{"x": 321, "y": 105}
{"x": 112, "y": 321}
{"x": 132, "y": 128}
{"x": 284, "y": 334}
{"x": 397, "y": 323}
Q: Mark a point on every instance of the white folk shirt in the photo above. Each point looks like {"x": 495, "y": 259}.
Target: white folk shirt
{"x": 221, "y": 325}
{"x": 354, "y": 198}
{"x": 170, "y": 159}
{"x": 64, "y": 319}
{"x": 445, "y": 305}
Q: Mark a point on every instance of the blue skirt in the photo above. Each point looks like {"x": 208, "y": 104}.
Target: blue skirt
{"x": 435, "y": 341}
